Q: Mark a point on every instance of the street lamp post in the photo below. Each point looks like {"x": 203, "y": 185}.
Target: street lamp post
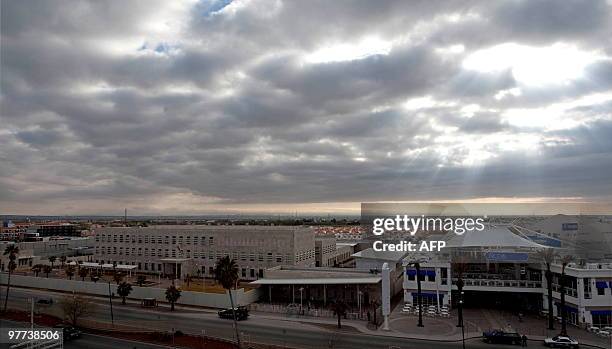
{"x": 301, "y": 294}
{"x": 462, "y": 327}
{"x": 460, "y": 309}
{"x": 417, "y": 266}
{"x": 359, "y": 293}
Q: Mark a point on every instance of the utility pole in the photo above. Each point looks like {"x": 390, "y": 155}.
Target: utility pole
{"x": 110, "y": 300}
{"x": 301, "y": 294}
{"x": 417, "y": 266}
{"x": 460, "y": 309}
{"x": 32, "y": 314}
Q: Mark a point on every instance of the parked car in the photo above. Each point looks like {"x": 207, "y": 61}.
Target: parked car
{"x": 501, "y": 337}
{"x": 593, "y": 329}
{"x": 45, "y": 301}
{"x": 242, "y": 313}
{"x": 561, "y": 342}
{"x": 69, "y": 331}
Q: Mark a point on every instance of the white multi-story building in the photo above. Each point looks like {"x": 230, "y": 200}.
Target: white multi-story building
{"x": 181, "y": 250}
{"x": 588, "y": 293}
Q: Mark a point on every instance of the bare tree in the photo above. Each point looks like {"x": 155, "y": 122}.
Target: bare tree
{"x": 76, "y": 307}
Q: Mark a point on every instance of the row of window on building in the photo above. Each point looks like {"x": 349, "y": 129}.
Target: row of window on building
{"x": 167, "y": 240}
{"x": 212, "y": 255}
{"x": 204, "y": 270}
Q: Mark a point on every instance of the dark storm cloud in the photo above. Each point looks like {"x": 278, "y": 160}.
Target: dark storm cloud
{"x": 183, "y": 106}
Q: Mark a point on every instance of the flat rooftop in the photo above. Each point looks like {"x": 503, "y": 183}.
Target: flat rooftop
{"x": 209, "y": 227}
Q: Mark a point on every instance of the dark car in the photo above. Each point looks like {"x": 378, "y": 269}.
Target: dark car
{"x": 45, "y": 301}
{"x": 501, "y": 337}
{"x": 69, "y": 331}
{"x": 242, "y": 313}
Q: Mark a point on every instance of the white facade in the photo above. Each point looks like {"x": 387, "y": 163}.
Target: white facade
{"x": 435, "y": 283}
{"x": 187, "y": 249}
{"x": 588, "y": 296}
{"x": 588, "y": 292}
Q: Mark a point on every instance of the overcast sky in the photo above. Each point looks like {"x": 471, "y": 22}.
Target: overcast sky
{"x": 199, "y": 107}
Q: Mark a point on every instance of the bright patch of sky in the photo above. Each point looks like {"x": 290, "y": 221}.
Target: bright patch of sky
{"x": 367, "y": 47}
{"x": 535, "y": 66}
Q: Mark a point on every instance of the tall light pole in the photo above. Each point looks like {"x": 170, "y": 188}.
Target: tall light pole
{"x": 110, "y": 301}
{"x": 417, "y": 265}
{"x": 460, "y": 309}
{"x": 462, "y": 327}
{"x": 301, "y": 293}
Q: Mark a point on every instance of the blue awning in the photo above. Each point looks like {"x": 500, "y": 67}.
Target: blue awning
{"x": 507, "y": 256}
{"x": 601, "y": 284}
{"x": 567, "y": 308}
{"x": 427, "y": 295}
{"x": 424, "y": 294}
{"x": 412, "y": 272}
{"x": 601, "y": 312}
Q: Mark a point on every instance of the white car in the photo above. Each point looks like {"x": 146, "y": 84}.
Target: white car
{"x": 561, "y": 342}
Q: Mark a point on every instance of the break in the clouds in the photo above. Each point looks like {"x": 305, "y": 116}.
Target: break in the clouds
{"x": 200, "y": 106}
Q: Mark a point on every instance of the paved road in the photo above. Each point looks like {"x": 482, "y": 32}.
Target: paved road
{"x": 255, "y": 329}
{"x": 89, "y": 341}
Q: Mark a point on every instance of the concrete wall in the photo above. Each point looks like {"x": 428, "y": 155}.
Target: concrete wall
{"x": 213, "y": 300}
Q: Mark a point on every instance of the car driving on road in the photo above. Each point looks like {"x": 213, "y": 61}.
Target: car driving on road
{"x": 242, "y": 313}
{"x": 501, "y": 337}
{"x": 561, "y": 342}
{"x": 69, "y": 332}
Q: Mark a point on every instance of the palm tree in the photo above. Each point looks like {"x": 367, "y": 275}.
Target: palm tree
{"x": 226, "y": 273}
{"x": 123, "y": 290}
{"x": 339, "y": 308}
{"x": 548, "y": 256}
{"x": 47, "y": 269}
{"x": 37, "y": 269}
{"x": 172, "y": 295}
{"x": 83, "y": 273}
{"x": 564, "y": 262}
{"x": 11, "y": 251}
{"x": 63, "y": 260}
{"x": 70, "y": 270}
{"x": 52, "y": 260}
